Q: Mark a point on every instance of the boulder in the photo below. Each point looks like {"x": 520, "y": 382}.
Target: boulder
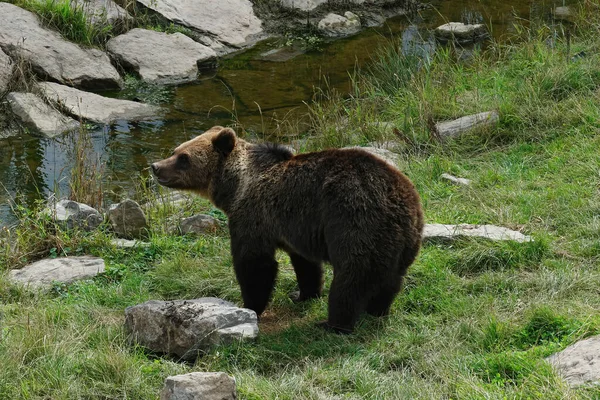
{"x": 38, "y": 115}
{"x": 159, "y": 57}
{"x": 188, "y": 327}
{"x": 335, "y": 25}
{"x": 491, "y": 232}
{"x": 198, "y": 224}
{"x": 463, "y": 33}
{"x": 102, "y": 11}
{"x": 21, "y": 35}
{"x": 199, "y": 385}
{"x": 454, "y": 179}
{"x": 230, "y": 23}
{"x": 72, "y": 214}
{"x": 96, "y": 108}
{"x": 44, "y": 273}
{"x": 128, "y": 220}
{"x": 6, "y": 68}
{"x": 451, "y": 129}
{"x": 579, "y": 364}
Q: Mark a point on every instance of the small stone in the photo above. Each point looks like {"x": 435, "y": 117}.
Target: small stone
{"x": 579, "y": 364}
{"x": 159, "y": 57}
{"x": 44, "y": 273}
{"x": 38, "y": 115}
{"x": 563, "y": 13}
{"x": 335, "y": 25}
{"x": 96, "y": 108}
{"x": 188, "y": 327}
{"x": 491, "y": 232}
{"x": 199, "y": 224}
{"x": 454, "y": 179}
{"x": 128, "y": 244}
{"x": 128, "y": 220}
{"x": 302, "y": 5}
{"x": 461, "y": 32}
{"x": 72, "y": 214}
{"x": 457, "y": 127}
{"x": 199, "y": 385}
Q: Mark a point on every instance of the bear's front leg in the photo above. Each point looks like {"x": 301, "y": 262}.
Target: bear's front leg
{"x": 255, "y": 270}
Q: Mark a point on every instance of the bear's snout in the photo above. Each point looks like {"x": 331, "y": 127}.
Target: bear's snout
{"x": 155, "y": 169}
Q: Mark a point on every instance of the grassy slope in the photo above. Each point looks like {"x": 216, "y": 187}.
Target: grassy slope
{"x": 475, "y": 320}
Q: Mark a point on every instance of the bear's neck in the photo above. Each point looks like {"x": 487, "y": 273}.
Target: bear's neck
{"x": 226, "y": 186}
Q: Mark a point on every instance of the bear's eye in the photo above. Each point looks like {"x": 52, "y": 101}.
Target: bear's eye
{"x": 183, "y": 161}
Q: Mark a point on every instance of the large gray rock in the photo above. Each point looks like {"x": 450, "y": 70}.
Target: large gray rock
{"x": 96, "y": 108}
{"x": 579, "y": 364}
{"x": 229, "y": 22}
{"x": 335, "y": 25}
{"x": 21, "y": 35}
{"x": 6, "y": 68}
{"x": 198, "y": 224}
{"x": 72, "y": 214}
{"x": 159, "y": 57}
{"x": 199, "y": 385}
{"x": 491, "y": 232}
{"x": 188, "y": 327}
{"x": 128, "y": 220}
{"x": 44, "y": 273}
{"x": 38, "y": 115}
{"x": 455, "y": 128}
{"x": 102, "y": 11}
{"x": 460, "y": 32}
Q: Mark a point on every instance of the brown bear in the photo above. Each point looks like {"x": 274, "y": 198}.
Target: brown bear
{"x": 342, "y": 206}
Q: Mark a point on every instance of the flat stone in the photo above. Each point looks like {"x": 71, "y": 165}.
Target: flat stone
{"x": 44, "y": 273}
{"x": 198, "y": 224}
{"x": 302, "y": 5}
{"x": 579, "y": 364}
{"x": 229, "y": 22}
{"x": 6, "y": 69}
{"x": 491, "y": 232}
{"x": 454, "y": 179}
{"x": 335, "y": 25}
{"x": 21, "y": 35}
{"x": 96, "y": 108}
{"x": 460, "y": 32}
{"x": 128, "y": 243}
{"x": 71, "y": 214}
{"x": 159, "y": 57}
{"x": 199, "y": 385}
{"x": 128, "y": 220}
{"x": 38, "y": 115}
{"x": 188, "y": 327}
{"x": 451, "y": 129}
{"x": 102, "y": 11}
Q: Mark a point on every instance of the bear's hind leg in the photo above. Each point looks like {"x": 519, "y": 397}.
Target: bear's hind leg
{"x": 310, "y": 278}
{"x": 256, "y": 276}
{"x": 348, "y": 296}
{"x": 379, "y": 305}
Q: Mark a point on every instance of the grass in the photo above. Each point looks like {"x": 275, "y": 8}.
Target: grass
{"x": 475, "y": 320}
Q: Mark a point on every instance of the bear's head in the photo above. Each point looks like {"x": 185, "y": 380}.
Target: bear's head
{"x": 195, "y": 162}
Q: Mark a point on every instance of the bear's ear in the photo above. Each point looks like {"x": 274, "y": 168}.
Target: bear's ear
{"x": 224, "y": 142}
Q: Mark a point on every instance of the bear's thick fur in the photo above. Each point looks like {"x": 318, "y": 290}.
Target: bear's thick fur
{"x": 343, "y": 206}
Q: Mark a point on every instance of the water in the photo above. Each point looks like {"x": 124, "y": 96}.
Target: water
{"x": 257, "y": 93}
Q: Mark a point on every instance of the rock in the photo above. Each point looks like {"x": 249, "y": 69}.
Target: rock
{"x": 159, "y": 57}
{"x": 388, "y": 156}
{"x": 188, "y": 327}
{"x": 6, "y": 69}
{"x": 128, "y": 244}
{"x": 335, "y": 25}
{"x": 460, "y": 32}
{"x": 38, "y": 115}
{"x": 579, "y": 364}
{"x": 72, "y": 214}
{"x": 198, "y": 224}
{"x": 302, "y": 5}
{"x": 225, "y": 22}
{"x": 21, "y": 35}
{"x": 451, "y": 129}
{"x": 492, "y": 232}
{"x": 281, "y": 54}
{"x": 97, "y": 108}
{"x": 102, "y": 11}
{"x": 127, "y": 219}
{"x": 43, "y": 273}
{"x": 199, "y": 385}
{"x": 563, "y": 13}
{"x": 454, "y": 179}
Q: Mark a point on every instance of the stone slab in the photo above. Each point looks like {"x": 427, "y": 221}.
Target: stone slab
{"x": 38, "y": 115}
{"x": 44, "y": 273}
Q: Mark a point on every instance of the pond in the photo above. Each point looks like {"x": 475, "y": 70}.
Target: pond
{"x": 251, "y": 89}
